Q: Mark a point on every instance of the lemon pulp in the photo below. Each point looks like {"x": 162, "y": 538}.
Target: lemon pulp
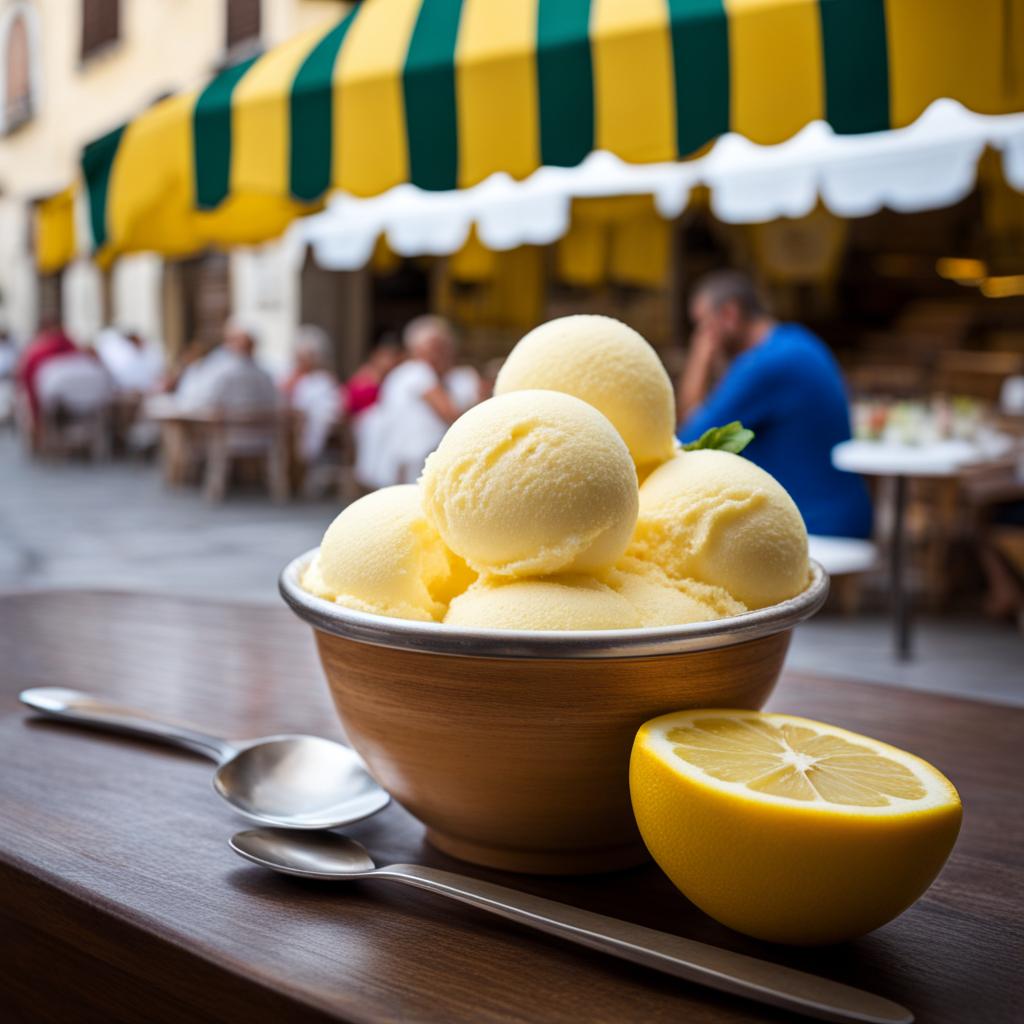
{"x": 794, "y": 761}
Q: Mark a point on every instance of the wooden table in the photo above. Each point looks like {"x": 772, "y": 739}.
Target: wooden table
{"x": 120, "y": 901}
{"x": 212, "y": 439}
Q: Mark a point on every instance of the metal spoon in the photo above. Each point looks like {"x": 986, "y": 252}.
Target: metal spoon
{"x": 289, "y": 781}
{"x": 333, "y": 857}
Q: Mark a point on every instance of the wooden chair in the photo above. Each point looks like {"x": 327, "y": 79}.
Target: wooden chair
{"x": 181, "y": 440}
{"x": 349, "y": 487}
{"x": 61, "y": 433}
{"x": 975, "y": 373}
{"x": 1008, "y": 542}
{"x": 1000, "y": 546}
{"x": 258, "y": 437}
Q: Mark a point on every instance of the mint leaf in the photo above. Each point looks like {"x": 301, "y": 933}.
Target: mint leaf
{"x": 733, "y": 437}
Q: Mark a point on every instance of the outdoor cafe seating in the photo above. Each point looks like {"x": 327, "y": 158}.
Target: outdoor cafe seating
{"x": 213, "y": 448}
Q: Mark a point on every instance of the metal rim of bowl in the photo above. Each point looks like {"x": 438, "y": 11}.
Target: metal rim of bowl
{"x": 650, "y": 642}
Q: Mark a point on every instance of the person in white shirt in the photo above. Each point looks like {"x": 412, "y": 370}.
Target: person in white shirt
{"x": 134, "y": 366}
{"x": 313, "y": 391}
{"x": 74, "y": 383}
{"x": 228, "y": 379}
{"x": 395, "y": 436}
{"x": 465, "y": 387}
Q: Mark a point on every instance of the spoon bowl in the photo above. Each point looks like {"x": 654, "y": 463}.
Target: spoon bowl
{"x": 324, "y": 855}
{"x": 300, "y": 782}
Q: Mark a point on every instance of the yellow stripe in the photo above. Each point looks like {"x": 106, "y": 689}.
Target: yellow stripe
{"x": 776, "y": 73}
{"x": 634, "y": 87}
{"x": 370, "y": 152}
{"x": 496, "y": 89}
{"x": 973, "y": 52}
{"x": 151, "y": 195}
{"x": 261, "y": 120}
{"x": 151, "y": 201}
{"x": 55, "y": 230}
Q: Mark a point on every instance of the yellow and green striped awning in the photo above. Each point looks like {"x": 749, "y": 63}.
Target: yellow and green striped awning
{"x": 443, "y": 93}
{"x": 54, "y": 234}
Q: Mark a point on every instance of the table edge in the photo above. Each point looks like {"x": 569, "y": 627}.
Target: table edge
{"x": 43, "y": 593}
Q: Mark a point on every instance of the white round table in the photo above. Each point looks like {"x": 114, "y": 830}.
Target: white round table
{"x": 936, "y": 459}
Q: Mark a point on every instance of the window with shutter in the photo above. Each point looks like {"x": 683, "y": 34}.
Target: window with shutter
{"x": 17, "y": 81}
{"x": 101, "y": 25}
{"x": 244, "y": 23}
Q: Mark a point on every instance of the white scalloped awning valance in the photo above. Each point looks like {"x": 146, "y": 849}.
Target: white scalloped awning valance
{"x": 927, "y": 165}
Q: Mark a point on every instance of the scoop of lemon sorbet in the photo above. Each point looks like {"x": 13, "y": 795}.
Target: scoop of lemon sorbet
{"x": 568, "y": 601}
{"x": 380, "y": 555}
{"x": 660, "y": 600}
{"x": 715, "y": 517}
{"x": 608, "y": 365}
{"x": 532, "y": 483}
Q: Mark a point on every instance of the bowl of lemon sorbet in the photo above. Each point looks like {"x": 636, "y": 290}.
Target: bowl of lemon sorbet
{"x": 494, "y": 634}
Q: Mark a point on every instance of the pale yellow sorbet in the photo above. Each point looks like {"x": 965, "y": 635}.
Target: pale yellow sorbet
{"x": 717, "y": 518}
{"x": 607, "y": 364}
{"x": 382, "y": 556}
{"x": 532, "y": 483}
{"x": 568, "y": 601}
{"x": 662, "y": 601}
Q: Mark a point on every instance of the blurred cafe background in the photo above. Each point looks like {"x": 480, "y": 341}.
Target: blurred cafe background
{"x": 233, "y": 245}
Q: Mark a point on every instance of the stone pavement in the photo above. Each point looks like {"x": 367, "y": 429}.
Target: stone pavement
{"x": 115, "y": 526}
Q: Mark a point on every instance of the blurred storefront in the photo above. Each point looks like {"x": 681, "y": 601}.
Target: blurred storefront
{"x": 185, "y": 213}
{"x": 70, "y": 70}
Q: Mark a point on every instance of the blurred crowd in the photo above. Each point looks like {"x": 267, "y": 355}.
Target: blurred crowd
{"x": 392, "y": 411}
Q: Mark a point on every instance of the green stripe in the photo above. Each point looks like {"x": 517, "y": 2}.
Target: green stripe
{"x": 856, "y": 58}
{"x": 700, "y": 55}
{"x": 97, "y": 163}
{"x": 312, "y": 122}
{"x": 211, "y": 136}
{"x": 565, "y": 82}
{"x": 428, "y": 85}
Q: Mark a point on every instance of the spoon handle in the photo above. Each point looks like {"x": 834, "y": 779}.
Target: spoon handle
{"x": 95, "y": 713}
{"x": 684, "y": 958}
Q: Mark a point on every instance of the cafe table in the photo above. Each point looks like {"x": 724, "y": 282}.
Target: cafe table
{"x": 937, "y": 460}
{"x": 121, "y": 901}
{"x": 213, "y": 438}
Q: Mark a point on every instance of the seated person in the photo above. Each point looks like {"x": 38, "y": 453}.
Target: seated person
{"x": 74, "y": 384}
{"x": 783, "y": 383}
{"x": 395, "y": 436}
{"x": 465, "y": 386}
{"x": 229, "y": 378}
{"x": 228, "y": 382}
{"x": 312, "y": 390}
{"x": 51, "y": 341}
{"x": 134, "y": 366}
{"x": 363, "y": 388}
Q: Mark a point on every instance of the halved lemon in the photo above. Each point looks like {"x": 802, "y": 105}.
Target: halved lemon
{"x": 787, "y": 829}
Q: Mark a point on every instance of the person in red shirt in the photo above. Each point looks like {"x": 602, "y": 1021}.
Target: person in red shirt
{"x": 363, "y": 387}
{"x": 49, "y": 342}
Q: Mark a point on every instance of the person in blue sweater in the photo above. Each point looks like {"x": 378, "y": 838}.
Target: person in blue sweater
{"x": 783, "y": 383}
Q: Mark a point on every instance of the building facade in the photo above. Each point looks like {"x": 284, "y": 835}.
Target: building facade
{"x": 70, "y": 71}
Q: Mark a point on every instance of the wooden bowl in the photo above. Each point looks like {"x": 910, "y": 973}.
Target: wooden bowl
{"x": 513, "y": 747}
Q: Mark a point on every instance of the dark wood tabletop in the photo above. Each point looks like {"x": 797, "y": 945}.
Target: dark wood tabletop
{"x": 120, "y": 900}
